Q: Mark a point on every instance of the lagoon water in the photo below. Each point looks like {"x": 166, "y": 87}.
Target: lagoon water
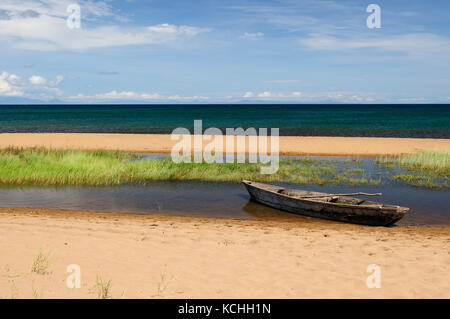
{"x": 304, "y": 120}
{"x": 222, "y": 200}
{"x": 229, "y": 200}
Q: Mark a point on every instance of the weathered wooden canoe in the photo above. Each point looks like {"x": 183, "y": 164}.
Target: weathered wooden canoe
{"x": 340, "y": 208}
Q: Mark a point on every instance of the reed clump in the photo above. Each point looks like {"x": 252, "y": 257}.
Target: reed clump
{"x": 436, "y": 163}
{"x": 432, "y": 169}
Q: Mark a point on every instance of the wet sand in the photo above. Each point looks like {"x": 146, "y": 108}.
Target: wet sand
{"x": 288, "y": 145}
{"x": 185, "y": 257}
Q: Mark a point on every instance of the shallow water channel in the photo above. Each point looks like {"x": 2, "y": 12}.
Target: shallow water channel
{"x": 222, "y": 200}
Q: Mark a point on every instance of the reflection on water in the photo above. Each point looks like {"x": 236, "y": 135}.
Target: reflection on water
{"x": 205, "y": 199}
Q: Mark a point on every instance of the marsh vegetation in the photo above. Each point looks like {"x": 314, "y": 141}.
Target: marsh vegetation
{"x": 51, "y": 167}
{"x": 424, "y": 169}
{"x": 43, "y": 167}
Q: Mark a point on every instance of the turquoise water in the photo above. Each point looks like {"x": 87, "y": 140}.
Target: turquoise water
{"x": 314, "y": 120}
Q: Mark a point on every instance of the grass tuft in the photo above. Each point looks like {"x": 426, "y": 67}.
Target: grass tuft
{"x": 164, "y": 283}
{"x": 41, "y": 263}
{"x": 103, "y": 288}
{"x": 432, "y": 169}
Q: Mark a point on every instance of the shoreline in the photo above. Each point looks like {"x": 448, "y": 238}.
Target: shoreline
{"x": 266, "y": 221}
{"x": 288, "y": 145}
{"x": 194, "y": 257}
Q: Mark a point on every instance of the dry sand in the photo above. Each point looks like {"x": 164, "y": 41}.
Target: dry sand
{"x": 183, "y": 257}
{"x": 218, "y": 258}
{"x": 288, "y": 145}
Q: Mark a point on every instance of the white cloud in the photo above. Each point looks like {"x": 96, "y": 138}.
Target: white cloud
{"x": 7, "y": 85}
{"x": 14, "y": 79}
{"x": 318, "y": 97}
{"x": 265, "y": 94}
{"x": 252, "y": 36}
{"x": 46, "y": 29}
{"x": 59, "y": 79}
{"x": 187, "y": 98}
{"x": 274, "y": 95}
{"x": 57, "y": 8}
{"x": 37, "y": 80}
{"x": 115, "y": 95}
{"x": 130, "y": 95}
{"x": 35, "y": 86}
{"x": 417, "y": 44}
{"x": 4, "y": 84}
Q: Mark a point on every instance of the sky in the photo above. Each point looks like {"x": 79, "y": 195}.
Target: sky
{"x": 224, "y": 51}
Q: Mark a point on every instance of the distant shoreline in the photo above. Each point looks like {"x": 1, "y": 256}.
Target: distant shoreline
{"x": 288, "y": 145}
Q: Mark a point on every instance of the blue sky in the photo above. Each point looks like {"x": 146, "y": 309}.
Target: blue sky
{"x": 305, "y": 51}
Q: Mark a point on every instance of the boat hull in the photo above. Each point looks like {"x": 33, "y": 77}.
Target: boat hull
{"x": 375, "y": 216}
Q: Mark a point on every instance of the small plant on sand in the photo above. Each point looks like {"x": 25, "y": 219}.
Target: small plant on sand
{"x": 103, "y": 288}
{"x": 164, "y": 283}
{"x": 36, "y": 294}
{"x": 41, "y": 263}
{"x": 14, "y": 289}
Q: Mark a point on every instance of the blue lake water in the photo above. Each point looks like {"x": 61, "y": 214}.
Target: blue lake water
{"x": 313, "y": 120}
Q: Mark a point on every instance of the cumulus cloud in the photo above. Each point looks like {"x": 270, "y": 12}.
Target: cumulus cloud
{"x": 35, "y": 86}
{"x": 115, "y": 95}
{"x": 130, "y": 95}
{"x": 8, "y": 85}
{"x": 59, "y": 79}
{"x": 47, "y": 28}
{"x": 265, "y": 94}
{"x": 274, "y": 95}
{"x": 4, "y": 85}
{"x": 187, "y": 98}
{"x": 37, "y": 80}
{"x": 13, "y": 79}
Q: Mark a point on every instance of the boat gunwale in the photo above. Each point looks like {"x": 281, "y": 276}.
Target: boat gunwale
{"x": 395, "y": 208}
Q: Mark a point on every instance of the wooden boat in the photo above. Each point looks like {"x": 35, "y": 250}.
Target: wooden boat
{"x": 337, "y": 207}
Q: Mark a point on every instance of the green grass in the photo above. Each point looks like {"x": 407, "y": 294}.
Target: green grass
{"x": 50, "y": 167}
{"x": 432, "y": 169}
{"x": 41, "y": 264}
{"x": 164, "y": 283}
{"x": 433, "y": 163}
{"x": 420, "y": 181}
{"x": 103, "y": 288}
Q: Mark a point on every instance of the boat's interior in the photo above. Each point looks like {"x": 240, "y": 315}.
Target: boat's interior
{"x": 322, "y": 197}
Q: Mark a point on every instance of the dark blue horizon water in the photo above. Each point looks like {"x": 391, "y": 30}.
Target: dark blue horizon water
{"x": 396, "y": 120}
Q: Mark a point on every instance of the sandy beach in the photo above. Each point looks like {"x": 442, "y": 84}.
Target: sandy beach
{"x": 183, "y": 257}
{"x": 288, "y": 145}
